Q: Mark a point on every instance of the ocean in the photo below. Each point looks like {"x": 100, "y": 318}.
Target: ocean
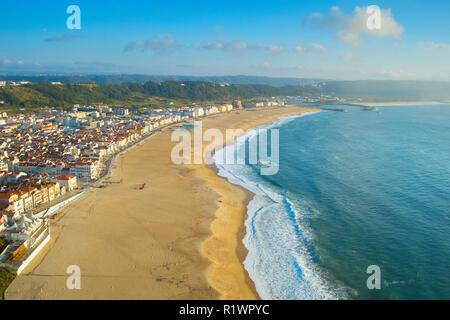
{"x": 354, "y": 189}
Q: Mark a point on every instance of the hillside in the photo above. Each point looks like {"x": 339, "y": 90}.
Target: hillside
{"x": 34, "y": 96}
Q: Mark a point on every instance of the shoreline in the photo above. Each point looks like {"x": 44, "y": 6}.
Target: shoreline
{"x": 240, "y": 232}
{"x": 173, "y": 240}
{"x": 241, "y": 250}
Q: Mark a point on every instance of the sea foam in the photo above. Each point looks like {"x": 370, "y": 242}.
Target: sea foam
{"x": 280, "y": 261}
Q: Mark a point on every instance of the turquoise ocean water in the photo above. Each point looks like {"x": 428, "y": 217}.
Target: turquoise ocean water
{"x": 354, "y": 189}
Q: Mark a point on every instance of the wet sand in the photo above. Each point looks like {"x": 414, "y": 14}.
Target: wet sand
{"x": 179, "y": 238}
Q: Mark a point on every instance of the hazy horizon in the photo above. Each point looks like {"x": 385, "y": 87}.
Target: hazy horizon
{"x": 328, "y": 40}
{"x": 188, "y": 76}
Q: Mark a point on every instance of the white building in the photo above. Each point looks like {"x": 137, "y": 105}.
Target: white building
{"x": 123, "y": 112}
{"x": 254, "y": 105}
{"x": 199, "y": 112}
{"x": 69, "y": 182}
{"x": 84, "y": 171}
{"x": 3, "y": 166}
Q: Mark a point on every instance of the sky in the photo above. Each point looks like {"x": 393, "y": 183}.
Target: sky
{"x": 307, "y": 39}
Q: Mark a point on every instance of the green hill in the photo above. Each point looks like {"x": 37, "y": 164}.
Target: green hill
{"x": 35, "y": 96}
{"x": 38, "y": 95}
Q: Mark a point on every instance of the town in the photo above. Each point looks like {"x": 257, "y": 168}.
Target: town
{"x": 50, "y": 158}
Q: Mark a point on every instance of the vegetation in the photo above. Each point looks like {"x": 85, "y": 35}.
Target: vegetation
{"x": 3, "y": 243}
{"x": 6, "y": 277}
{"x": 6, "y": 274}
{"x": 38, "y": 95}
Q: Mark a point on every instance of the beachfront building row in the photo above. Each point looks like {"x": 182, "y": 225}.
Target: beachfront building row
{"x": 22, "y": 238}
{"x": 263, "y": 104}
{"x": 43, "y": 143}
{"x": 24, "y": 207}
{"x": 24, "y": 235}
{"x": 75, "y": 143}
{"x": 21, "y": 193}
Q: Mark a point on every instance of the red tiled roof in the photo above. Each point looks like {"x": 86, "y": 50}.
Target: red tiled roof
{"x": 64, "y": 177}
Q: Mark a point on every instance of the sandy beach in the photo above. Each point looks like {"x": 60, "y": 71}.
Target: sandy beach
{"x": 179, "y": 238}
{"x": 397, "y": 103}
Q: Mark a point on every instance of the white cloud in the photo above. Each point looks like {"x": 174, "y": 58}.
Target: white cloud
{"x": 432, "y": 46}
{"x": 315, "y": 47}
{"x": 214, "y": 46}
{"x": 239, "y": 46}
{"x": 161, "y": 43}
{"x": 234, "y": 46}
{"x": 269, "y": 47}
{"x": 350, "y": 28}
{"x": 7, "y": 62}
{"x": 300, "y": 49}
{"x": 347, "y": 56}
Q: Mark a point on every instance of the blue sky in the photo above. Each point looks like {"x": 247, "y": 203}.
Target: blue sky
{"x": 325, "y": 39}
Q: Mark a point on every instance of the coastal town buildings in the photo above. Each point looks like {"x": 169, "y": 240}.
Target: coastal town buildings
{"x": 46, "y": 156}
{"x": 69, "y": 182}
{"x": 22, "y": 193}
{"x": 76, "y": 142}
{"x": 237, "y": 104}
{"x": 50, "y": 156}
